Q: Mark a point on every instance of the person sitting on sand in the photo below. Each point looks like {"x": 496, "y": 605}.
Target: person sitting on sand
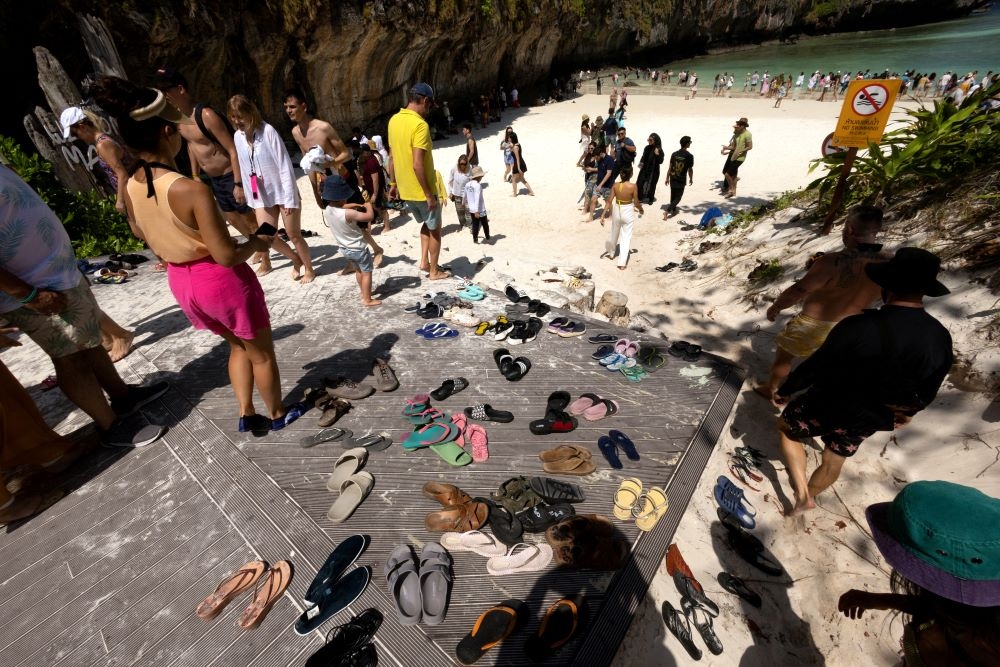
{"x": 943, "y": 543}
{"x": 621, "y": 205}
{"x": 873, "y": 372}
{"x": 346, "y": 225}
{"x": 834, "y": 287}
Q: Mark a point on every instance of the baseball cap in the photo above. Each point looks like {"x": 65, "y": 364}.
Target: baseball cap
{"x": 70, "y": 117}
{"x": 423, "y": 89}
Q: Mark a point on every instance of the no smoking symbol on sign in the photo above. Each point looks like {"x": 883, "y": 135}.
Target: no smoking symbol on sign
{"x": 870, "y": 100}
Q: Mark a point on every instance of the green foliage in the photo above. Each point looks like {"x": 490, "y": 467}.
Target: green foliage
{"x": 766, "y": 271}
{"x": 938, "y": 146}
{"x": 94, "y": 225}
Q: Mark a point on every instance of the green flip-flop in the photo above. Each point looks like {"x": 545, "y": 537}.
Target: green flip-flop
{"x": 452, "y": 454}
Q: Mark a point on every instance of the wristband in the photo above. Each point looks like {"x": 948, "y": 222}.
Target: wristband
{"x": 31, "y": 296}
{"x": 392, "y": 182}
{"x": 238, "y": 184}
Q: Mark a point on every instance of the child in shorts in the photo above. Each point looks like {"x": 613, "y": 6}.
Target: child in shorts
{"x": 346, "y": 221}
{"x": 476, "y": 205}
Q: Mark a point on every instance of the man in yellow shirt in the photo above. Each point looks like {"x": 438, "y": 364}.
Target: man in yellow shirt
{"x": 411, "y": 173}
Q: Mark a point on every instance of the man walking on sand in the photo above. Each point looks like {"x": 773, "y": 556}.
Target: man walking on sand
{"x": 873, "y": 373}
{"x": 834, "y": 287}
{"x": 212, "y": 154}
{"x": 736, "y": 154}
{"x": 680, "y": 173}
{"x": 471, "y": 151}
{"x": 412, "y": 175}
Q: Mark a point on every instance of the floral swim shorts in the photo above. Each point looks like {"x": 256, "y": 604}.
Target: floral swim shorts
{"x": 801, "y": 420}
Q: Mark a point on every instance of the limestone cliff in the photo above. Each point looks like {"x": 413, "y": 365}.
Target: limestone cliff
{"x": 355, "y": 59}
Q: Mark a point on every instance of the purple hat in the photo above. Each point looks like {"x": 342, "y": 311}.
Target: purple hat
{"x": 943, "y": 537}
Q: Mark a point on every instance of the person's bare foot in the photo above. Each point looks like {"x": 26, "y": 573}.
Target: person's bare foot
{"x": 373, "y": 302}
{"x": 120, "y": 347}
{"x": 440, "y": 275}
{"x": 255, "y": 259}
{"x": 28, "y": 505}
{"x": 296, "y": 268}
{"x": 424, "y": 268}
{"x": 764, "y": 391}
{"x": 307, "y": 277}
{"x": 264, "y": 268}
{"x": 801, "y": 506}
{"x": 622, "y": 268}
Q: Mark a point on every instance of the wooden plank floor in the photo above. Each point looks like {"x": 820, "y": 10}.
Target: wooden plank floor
{"x": 111, "y": 574}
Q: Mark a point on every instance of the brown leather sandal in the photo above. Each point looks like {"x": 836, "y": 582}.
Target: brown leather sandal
{"x": 563, "y": 452}
{"x": 446, "y": 494}
{"x": 574, "y": 465}
{"x": 268, "y": 591}
{"x": 458, "y": 518}
{"x": 231, "y": 586}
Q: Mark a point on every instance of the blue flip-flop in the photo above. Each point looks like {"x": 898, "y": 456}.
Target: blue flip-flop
{"x": 442, "y": 332}
{"x": 611, "y": 358}
{"x": 730, "y": 498}
{"x": 429, "y": 328}
{"x": 626, "y": 444}
{"x": 610, "y": 451}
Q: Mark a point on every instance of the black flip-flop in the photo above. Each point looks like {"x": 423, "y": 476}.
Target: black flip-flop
{"x": 556, "y": 491}
{"x": 669, "y": 266}
{"x": 336, "y": 564}
{"x": 702, "y": 621}
{"x": 678, "y": 348}
{"x": 505, "y": 525}
{"x": 485, "y": 412}
{"x": 492, "y": 627}
{"x": 603, "y": 338}
{"x": 536, "y": 519}
{"x": 680, "y": 628}
{"x": 626, "y": 444}
{"x": 376, "y": 442}
{"x": 561, "y": 623}
{"x": 747, "y": 546}
{"x": 603, "y": 351}
{"x": 326, "y": 435}
{"x": 450, "y": 387}
{"x": 334, "y": 598}
{"x": 739, "y": 588}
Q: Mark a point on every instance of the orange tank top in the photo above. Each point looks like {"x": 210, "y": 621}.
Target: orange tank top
{"x": 169, "y": 238}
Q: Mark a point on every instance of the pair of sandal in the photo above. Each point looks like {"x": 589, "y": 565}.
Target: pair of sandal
{"x": 472, "y": 292}
{"x": 684, "y": 350}
{"x": 609, "y": 445}
{"x": 556, "y": 420}
{"x": 350, "y": 482}
{"x": 519, "y": 332}
{"x": 567, "y": 460}
{"x": 747, "y": 546}
{"x": 268, "y": 582}
{"x": 459, "y": 513}
{"x": 698, "y": 608}
{"x": 434, "y": 330}
{"x": 566, "y": 328}
{"x": 350, "y": 643}
{"x": 511, "y": 367}
{"x": 330, "y": 591}
{"x": 646, "y": 507}
{"x": 731, "y": 498}
{"x": 485, "y": 327}
{"x": 419, "y": 593}
{"x": 593, "y": 407}
{"x": 470, "y": 436}
{"x": 561, "y": 623}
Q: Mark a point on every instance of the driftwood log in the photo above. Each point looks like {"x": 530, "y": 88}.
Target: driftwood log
{"x": 613, "y": 305}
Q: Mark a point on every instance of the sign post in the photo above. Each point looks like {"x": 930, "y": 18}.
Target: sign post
{"x": 862, "y": 121}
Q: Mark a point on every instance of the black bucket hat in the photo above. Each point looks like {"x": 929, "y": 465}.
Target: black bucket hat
{"x": 910, "y": 270}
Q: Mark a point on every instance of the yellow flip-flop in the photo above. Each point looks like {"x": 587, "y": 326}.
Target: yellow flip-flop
{"x": 626, "y": 497}
{"x": 649, "y": 508}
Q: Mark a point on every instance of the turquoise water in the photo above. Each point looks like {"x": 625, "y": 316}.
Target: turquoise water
{"x": 962, "y": 45}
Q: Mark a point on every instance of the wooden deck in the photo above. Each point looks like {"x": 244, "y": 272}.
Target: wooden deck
{"x": 111, "y": 575}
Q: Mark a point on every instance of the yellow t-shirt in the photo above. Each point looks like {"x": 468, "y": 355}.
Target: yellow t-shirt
{"x": 408, "y": 130}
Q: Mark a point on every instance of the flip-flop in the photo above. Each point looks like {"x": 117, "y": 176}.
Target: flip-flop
{"x": 452, "y": 453}
{"x": 564, "y": 452}
{"x": 341, "y": 558}
{"x": 650, "y": 507}
{"x": 461, "y": 422}
{"x": 479, "y": 443}
{"x": 602, "y": 338}
{"x": 352, "y": 493}
{"x": 747, "y": 546}
{"x": 521, "y": 558}
{"x": 404, "y": 584}
{"x": 426, "y": 417}
{"x": 449, "y": 387}
{"x": 505, "y": 525}
{"x": 621, "y": 362}
{"x": 626, "y": 497}
{"x": 476, "y": 541}
{"x": 560, "y": 624}
{"x": 599, "y": 410}
{"x": 572, "y": 466}
{"x": 650, "y": 358}
{"x": 416, "y": 405}
{"x": 739, "y": 588}
{"x": 680, "y": 628}
{"x": 326, "y": 435}
{"x": 375, "y": 442}
{"x": 430, "y": 327}
{"x": 268, "y": 591}
{"x": 625, "y": 443}
{"x": 585, "y": 401}
{"x": 536, "y": 519}
{"x": 482, "y": 328}
{"x": 485, "y": 412}
{"x": 693, "y": 352}
{"x": 612, "y": 358}
{"x": 610, "y": 451}
{"x": 740, "y": 472}
{"x": 336, "y": 596}
{"x": 492, "y": 627}
{"x": 347, "y": 464}
{"x": 602, "y": 352}
{"x": 633, "y": 373}
{"x": 231, "y": 587}
{"x": 446, "y": 332}
{"x": 730, "y": 498}
{"x": 702, "y": 621}
{"x": 430, "y": 434}
{"x": 556, "y": 491}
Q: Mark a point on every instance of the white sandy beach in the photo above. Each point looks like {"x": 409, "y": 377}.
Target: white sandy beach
{"x": 828, "y": 551}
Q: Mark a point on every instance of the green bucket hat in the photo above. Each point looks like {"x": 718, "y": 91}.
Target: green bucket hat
{"x": 943, "y": 537}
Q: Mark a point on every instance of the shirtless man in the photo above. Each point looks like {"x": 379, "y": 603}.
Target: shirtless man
{"x": 471, "y": 151}
{"x": 214, "y": 159}
{"x": 834, "y": 287}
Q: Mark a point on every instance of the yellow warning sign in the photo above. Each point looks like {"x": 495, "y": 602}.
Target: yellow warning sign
{"x": 865, "y": 113}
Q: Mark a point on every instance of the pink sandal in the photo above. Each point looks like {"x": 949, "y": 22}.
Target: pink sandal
{"x": 461, "y": 421}
{"x": 476, "y": 436}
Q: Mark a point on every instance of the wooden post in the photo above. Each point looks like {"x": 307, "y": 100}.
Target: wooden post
{"x": 838, "y": 192}
{"x": 612, "y": 305}
{"x": 100, "y": 47}
{"x": 60, "y": 91}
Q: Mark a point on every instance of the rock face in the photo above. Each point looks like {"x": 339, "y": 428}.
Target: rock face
{"x": 355, "y": 59}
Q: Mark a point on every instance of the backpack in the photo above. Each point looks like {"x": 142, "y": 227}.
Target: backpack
{"x": 204, "y": 129}
{"x": 710, "y": 215}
